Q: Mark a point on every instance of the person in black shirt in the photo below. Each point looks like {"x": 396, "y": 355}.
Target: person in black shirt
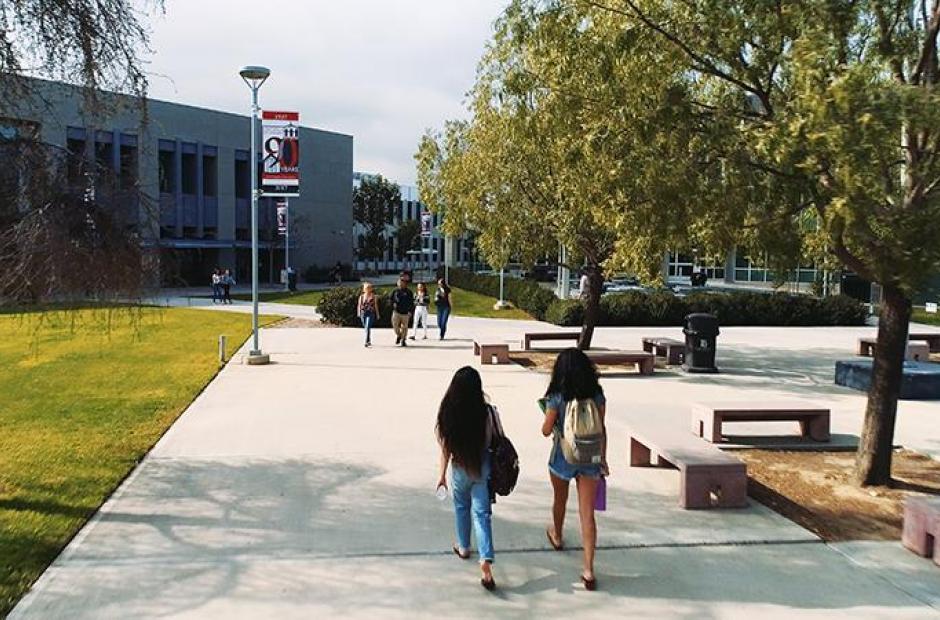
{"x": 403, "y": 303}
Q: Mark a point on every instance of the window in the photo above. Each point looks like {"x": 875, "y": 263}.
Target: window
{"x": 210, "y": 175}
{"x": 189, "y": 176}
{"x": 242, "y": 176}
{"x": 167, "y": 172}
{"x": 76, "y": 159}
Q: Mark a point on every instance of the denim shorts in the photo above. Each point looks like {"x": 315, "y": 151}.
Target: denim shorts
{"x": 560, "y": 468}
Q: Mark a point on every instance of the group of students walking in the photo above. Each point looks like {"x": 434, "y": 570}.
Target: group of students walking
{"x": 405, "y": 304}
{"x": 574, "y": 408}
{"x": 222, "y": 283}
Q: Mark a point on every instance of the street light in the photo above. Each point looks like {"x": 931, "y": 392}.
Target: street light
{"x": 254, "y": 77}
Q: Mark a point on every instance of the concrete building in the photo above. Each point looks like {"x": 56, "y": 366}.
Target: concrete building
{"x": 185, "y": 178}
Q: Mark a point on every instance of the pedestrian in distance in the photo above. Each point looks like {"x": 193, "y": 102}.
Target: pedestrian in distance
{"x": 216, "y": 285}
{"x": 443, "y": 301}
{"x": 574, "y": 407}
{"x": 403, "y": 304}
{"x": 368, "y": 310}
{"x": 227, "y": 283}
{"x": 465, "y": 426}
{"x": 422, "y": 301}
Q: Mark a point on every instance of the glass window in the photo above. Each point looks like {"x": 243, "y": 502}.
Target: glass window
{"x": 189, "y": 173}
{"x": 210, "y": 176}
{"x": 167, "y": 172}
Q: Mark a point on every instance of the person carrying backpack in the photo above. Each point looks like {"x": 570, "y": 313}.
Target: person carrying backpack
{"x": 574, "y": 406}
{"x": 466, "y": 425}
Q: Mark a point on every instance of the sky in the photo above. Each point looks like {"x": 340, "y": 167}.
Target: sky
{"x": 380, "y": 70}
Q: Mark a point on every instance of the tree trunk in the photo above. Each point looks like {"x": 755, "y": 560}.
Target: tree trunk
{"x": 592, "y": 301}
{"x": 873, "y": 463}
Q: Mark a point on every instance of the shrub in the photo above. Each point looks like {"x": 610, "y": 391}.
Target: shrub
{"x": 523, "y": 294}
{"x": 338, "y": 307}
{"x": 565, "y": 312}
{"x": 844, "y": 310}
{"x": 314, "y": 274}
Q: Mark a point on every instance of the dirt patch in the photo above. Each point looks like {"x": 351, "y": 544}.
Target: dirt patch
{"x": 305, "y": 323}
{"x": 817, "y": 491}
{"x": 544, "y": 361}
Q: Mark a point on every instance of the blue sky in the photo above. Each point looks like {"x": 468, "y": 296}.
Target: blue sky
{"x": 382, "y": 71}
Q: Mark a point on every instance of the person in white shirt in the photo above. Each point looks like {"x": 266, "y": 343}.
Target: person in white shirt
{"x": 422, "y": 301}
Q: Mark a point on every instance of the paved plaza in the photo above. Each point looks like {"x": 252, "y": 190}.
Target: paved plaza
{"x": 305, "y": 489}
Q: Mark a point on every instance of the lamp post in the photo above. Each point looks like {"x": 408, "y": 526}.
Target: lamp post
{"x": 254, "y": 77}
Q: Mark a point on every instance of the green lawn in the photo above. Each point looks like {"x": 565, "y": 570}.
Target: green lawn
{"x": 82, "y": 403}
{"x": 466, "y": 303}
{"x": 921, "y": 316}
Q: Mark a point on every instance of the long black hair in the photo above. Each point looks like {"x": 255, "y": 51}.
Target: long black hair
{"x": 461, "y": 419}
{"x": 574, "y": 376}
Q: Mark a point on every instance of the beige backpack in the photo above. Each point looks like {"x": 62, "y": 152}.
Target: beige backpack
{"x": 582, "y": 440}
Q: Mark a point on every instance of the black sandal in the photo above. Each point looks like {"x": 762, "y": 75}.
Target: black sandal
{"x": 559, "y": 546}
{"x": 489, "y": 585}
{"x": 589, "y": 584}
{"x": 460, "y": 555}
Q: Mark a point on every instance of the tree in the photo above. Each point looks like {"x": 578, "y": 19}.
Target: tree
{"x": 374, "y": 203}
{"x": 409, "y": 237}
{"x": 561, "y": 149}
{"x": 88, "y": 42}
{"x": 824, "y": 117}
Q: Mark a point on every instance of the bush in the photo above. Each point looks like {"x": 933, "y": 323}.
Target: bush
{"x": 844, "y": 310}
{"x": 565, "y": 312}
{"x": 338, "y": 307}
{"x": 314, "y": 274}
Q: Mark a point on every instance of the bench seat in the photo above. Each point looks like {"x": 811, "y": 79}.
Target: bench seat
{"x": 489, "y": 352}
{"x": 669, "y": 348}
{"x": 709, "y": 478}
{"x": 931, "y": 338}
{"x": 529, "y": 338}
{"x": 921, "y": 531}
{"x": 644, "y": 362}
{"x": 915, "y": 351}
{"x": 707, "y": 418}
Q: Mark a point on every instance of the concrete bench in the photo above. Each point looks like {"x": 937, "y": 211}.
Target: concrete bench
{"x": 672, "y": 350}
{"x": 932, "y": 340}
{"x": 644, "y": 362}
{"x": 915, "y": 351}
{"x": 709, "y": 478}
{"x": 528, "y": 339}
{"x": 489, "y": 352}
{"x": 707, "y": 418}
{"x": 921, "y": 531}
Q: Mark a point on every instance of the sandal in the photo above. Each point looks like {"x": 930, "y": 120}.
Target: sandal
{"x": 557, "y": 546}
{"x": 589, "y": 584}
{"x": 461, "y": 555}
{"x": 489, "y": 585}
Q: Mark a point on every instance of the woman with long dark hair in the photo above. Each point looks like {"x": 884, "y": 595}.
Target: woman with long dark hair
{"x": 443, "y": 300}
{"x": 465, "y": 423}
{"x": 574, "y": 378}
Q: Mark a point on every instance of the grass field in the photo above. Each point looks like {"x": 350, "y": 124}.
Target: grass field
{"x": 466, "y": 303}
{"x": 921, "y": 316}
{"x": 83, "y": 401}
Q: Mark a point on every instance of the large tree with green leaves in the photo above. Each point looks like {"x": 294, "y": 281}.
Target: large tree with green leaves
{"x": 374, "y": 203}
{"x": 564, "y": 147}
{"x": 825, "y": 116}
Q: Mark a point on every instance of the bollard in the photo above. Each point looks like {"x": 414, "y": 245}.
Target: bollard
{"x": 221, "y": 350}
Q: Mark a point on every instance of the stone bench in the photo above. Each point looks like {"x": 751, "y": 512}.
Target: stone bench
{"x": 644, "y": 362}
{"x": 669, "y": 348}
{"x": 489, "y": 352}
{"x": 707, "y": 418}
{"x": 921, "y": 531}
{"x": 915, "y": 351}
{"x": 709, "y": 478}
{"x": 932, "y": 340}
{"x": 529, "y": 338}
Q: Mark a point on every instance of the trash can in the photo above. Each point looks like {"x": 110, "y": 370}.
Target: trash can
{"x": 701, "y": 334}
{"x": 291, "y": 280}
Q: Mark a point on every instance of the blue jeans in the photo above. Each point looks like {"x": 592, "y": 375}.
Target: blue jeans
{"x": 472, "y": 499}
{"x": 216, "y": 293}
{"x": 367, "y": 321}
{"x": 443, "y": 314}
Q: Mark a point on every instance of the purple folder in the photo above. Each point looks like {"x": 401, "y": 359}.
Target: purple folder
{"x": 600, "y": 498}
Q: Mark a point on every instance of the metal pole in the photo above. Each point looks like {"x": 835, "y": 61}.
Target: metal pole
{"x": 287, "y": 241}
{"x": 253, "y": 163}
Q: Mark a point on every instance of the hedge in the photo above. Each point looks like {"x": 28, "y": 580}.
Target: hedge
{"x": 662, "y": 308}
{"x": 338, "y": 306}
{"x": 525, "y": 295}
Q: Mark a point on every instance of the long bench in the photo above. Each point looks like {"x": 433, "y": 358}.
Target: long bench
{"x": 489, "y": 352}
{"x": 709, "y": 478}
{"x": 529, "y": 338}
{"x": 921, "y": 530}
{"x": 669, "y": 348}
{"x": 645, "y": 362}
{"x": 915, "y": 351}
{"x": 707, "y": 418}
{"x": 932, "y": 340}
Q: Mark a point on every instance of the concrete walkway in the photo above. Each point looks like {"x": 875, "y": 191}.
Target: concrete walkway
{"x": 306, "y": 488}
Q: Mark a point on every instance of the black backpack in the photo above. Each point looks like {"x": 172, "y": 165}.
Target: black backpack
{"x": 504, "y": 461}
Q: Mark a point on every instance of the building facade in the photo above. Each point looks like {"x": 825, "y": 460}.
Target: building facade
{"x": 185, "y": 172}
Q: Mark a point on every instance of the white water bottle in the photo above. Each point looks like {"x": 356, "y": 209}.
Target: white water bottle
{"x": 442, "y": 492}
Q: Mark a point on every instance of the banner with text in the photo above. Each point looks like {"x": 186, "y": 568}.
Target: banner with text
{"x": 282, "y": 217}
{"x": 425, "y": 224}
{"x": 280, "y": 151}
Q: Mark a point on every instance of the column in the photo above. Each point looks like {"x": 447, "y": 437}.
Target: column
{"x": 200, "y": 193}
{"x": 178, "y": 186}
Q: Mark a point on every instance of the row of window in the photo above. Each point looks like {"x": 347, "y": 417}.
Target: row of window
{"x": 745, "y": 270}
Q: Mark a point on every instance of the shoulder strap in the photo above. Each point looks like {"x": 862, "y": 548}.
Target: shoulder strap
{"x": 494, "y": 418}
